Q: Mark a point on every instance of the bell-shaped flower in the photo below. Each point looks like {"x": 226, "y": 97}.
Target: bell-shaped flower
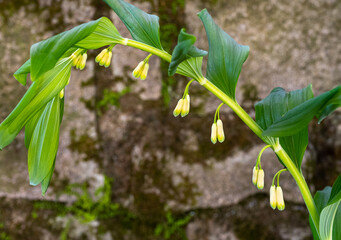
{"x": 141, "y": 71}
{"x": 220, "y": 131}
{"x": 280, "y": 199}
{"x": 273, "y": 198}
{"x": 185, "y": 106}
{"x": 214, "y": 133}
{"x": 104, "y": 57}
{"x": 254, "y": 175}
{"x": 260, "y": 179}
{"x": 79, "y": 60}
{"x": 178, "y": 108}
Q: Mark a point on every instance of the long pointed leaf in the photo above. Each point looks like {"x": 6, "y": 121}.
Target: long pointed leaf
{"x": 299, "y": 117}
{"x": 22, "y": 72}
{"x": 273, "y": 107}
{"x": 225, "y": 57}
{"x": 37, "y": 96}
{"x": 45, "y": 54}
{"x": 327, "y": 218}
{"x": 142, "y": 26}
{"x": 44, "y": 143}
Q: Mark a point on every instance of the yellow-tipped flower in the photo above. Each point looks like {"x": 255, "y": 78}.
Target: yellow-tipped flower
{"x": 220, "y": 131}
{"x": 61, "y": 93}
{"x": 79, "y": 60}
{"x": 141, "y": 71}
{"x": 104, "y": 57}
{"x": 82, "y": 61}
{"x": 178, "y": 108}
{"x": 186, "y": 106}
{"x": 260, "y": 179}
{"x": 214, "y": 133}
{"x": 273, "y": 198}
{"x": 254, "y": 175}
{"x": 280, "y": 199}
{"x": 101, "y": 55}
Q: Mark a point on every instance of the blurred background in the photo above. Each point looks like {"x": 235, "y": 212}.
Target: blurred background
{"x": 127, "y": 169}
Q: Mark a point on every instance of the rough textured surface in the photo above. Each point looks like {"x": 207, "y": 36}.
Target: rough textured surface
{"x": 160, "y": 162}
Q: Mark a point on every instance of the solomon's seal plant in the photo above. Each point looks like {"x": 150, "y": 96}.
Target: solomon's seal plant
{"x": 281, "y": 122}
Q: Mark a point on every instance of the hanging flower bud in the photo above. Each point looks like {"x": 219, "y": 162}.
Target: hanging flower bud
{"x": 220, "y": 131}
{"x": 61, "y": 94}
{"x": 104, "y": 57}
{"x": 101, "y": 55}
{"x": 79, "y": 60}
{"x": 254, "y": 175}
{"x": 280, "y": 199}
{"x": 260, "y": 179}
{"x": 273, "y": 199}
{"x": 214, "y": 133}
{"x": 108, "y": 60}
{"x": 141, "y": 71}
{"x": 82, "y": 61}
{"x": 185, "y": 106}
{"x": 178, "y": 108}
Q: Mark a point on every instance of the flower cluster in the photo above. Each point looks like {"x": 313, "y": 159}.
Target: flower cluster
{"x": 217, "y": 132}
{"x": 104, "y": 58}
{"x": 141, "y": 71}
{"x": 79, "y": 60}
{"x": 258, "y": 177}
{"x": 276, "y": 198}
{"x": 182, "y": 107}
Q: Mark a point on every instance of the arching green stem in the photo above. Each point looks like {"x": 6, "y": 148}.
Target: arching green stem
{"x": 260, "y": 156}
{"x": 308, "y": 199}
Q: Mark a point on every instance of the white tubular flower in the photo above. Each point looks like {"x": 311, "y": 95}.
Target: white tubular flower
{"x": 108, "y": 60}
{"x": 82, "y": 61}
{"x": 214, "y": 133}
{"x": 61, "y": 93}
{"x": 220, "y": 131}
{"x": 280, "y": 199}
{"x": 141, "y": 71}
{"x": 178, "y": 108}
{"x": 273, "y": 198}
{"x": 260, "y": 179}
{"x": 186, "y": 106}
{"x": 254, "y": 176}
{"x": 104, "y": 59}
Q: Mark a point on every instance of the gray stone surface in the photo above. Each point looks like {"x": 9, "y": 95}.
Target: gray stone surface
{"x": 158, "y": 161}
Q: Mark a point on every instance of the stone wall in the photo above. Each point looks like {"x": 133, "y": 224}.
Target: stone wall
{"x": 160, "y": 163}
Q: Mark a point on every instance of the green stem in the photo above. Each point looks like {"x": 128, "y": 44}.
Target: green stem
{"x": 217, "y": 113}
{"x": 308, "y": 199}
{"x": 260, "y": 156}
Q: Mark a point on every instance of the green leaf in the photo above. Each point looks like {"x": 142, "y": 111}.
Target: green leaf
{"x": 31, "y": 125}
{"x": 191, "y": 68}
{"x": 327, "y": 219}
{"x": 142, "y": 26}
{"x": 45, "y": 54}
{"x": 321, "y": 199}
{"x": 44, "y": 143}
{"x": 104, "y": 34}
{"x": 273, "y": 107}
{"x": 225, "y": 57}
{"x": 336, "y": 191}
{"x": 299, "y": 117}
{"x": 337, "y": 224}
{"x": 37, "y": 96}
{"x": 185, "y": 49}
{"x": 22, "y": 72}
{"x": 330, "y": 107}
{"x": 46, "y": 182}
